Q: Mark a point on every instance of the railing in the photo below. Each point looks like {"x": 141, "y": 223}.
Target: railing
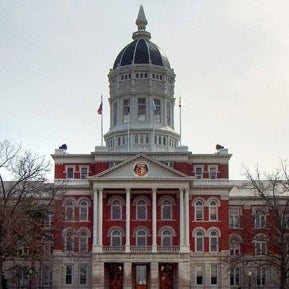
{"x": 141, "y": 249}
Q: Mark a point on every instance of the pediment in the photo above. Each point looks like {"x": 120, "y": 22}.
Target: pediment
{"x": 140, "y": 167}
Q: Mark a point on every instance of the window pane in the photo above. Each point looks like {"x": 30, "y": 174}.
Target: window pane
{"x": 68, "y": 275}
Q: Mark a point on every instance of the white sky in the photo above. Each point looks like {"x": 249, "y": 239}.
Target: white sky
{"x": 231, "y": 58}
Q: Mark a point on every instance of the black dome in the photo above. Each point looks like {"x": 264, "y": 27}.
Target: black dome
{"x": 141, "y": 51}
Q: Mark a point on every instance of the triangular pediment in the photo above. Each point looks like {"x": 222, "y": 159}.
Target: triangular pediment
{"x": 140, "y": 167}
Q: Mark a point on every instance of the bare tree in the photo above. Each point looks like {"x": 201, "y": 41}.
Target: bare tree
{"x": 272, "y": 191}
{"x": 26, "y": 201}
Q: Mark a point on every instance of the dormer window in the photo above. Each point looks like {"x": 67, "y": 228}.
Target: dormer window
{"x": 70, "y": 172}
{"x": 213, "y": 172}
{"x": 199, "y": 172}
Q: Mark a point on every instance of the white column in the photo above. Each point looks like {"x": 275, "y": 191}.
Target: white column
{"x": 127, "y": 224}
{"x": 154, "y": 220}
{"x": 181, "y": 217}
{"x": 95, "y": 218}
{"x": 187, "y": 217}
{"x": 100, "y": 198}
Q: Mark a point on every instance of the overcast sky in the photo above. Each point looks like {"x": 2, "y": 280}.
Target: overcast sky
{"x": 231, "y": 59}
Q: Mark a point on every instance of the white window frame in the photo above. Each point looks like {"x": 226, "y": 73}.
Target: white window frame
{"x": 69, "y": 267}
{"x": 213, "y": 172}
{"x": 213, "y": 274}
{"x": 260, "y": 219}
{"x": 234, "y": 218}
{"x": 83, "y": 211}
{"x": 141, "y": 204}
{"x": 199, "y": 175}
{"x": 84, "y": 175}
{"x": 235, "y": 276}
{"x": 199, "y": 210}
{"x": 199, "y": 273}
{"x": 199, "y": 241}
{"x": 261, "y": 276}
{"x": 83, "y": 273}
{"x": 211, "y": 210}
{"x": 214, "y": 241}
{"x": 167, "y": 208}
{"x": 115, "y": 206}
{"x": 70, "y": 172}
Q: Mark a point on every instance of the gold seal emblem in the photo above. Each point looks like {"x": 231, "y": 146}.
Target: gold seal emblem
{"x": 140, "y": 169}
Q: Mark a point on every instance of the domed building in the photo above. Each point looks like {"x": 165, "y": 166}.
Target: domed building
{"x": 142, "y": 211}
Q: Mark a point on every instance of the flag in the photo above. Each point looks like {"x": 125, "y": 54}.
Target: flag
{"x": 180, "y": 102}
{"x": 154, "y": 108}
{"x": 99, "y": 110}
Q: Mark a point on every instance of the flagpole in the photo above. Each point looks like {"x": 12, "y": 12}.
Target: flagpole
{"x": 128, "y": 120}
{"x": 101, "y": 120}
{"x": 180, "y": 107}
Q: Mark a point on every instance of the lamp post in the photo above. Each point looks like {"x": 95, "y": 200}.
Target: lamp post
{"x": 250, "y": 280}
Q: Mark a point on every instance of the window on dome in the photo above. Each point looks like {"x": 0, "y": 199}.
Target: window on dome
{"x": 141, "y": 109}
{"x": 168, "y": 114}
{"x": 115, "y": 113}
{"x": 157, "y": 111}
{"x": 126, "y": 104}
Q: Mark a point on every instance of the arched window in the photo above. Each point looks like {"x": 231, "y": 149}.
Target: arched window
{"x": 69, "y": 211}
{"x": 69, "y": 241}
{"x": 166, "y": 238}
{"x": 116, "y": 210}
{"x": 213, "y": 211}
{"x": 115, "y": 238}
{"x": 83, "y": 241}
{"x": 141, "y": 210}
{"x": 141, "y": 238}
{"x": 199, "y": 241}
{"x": 83, "y": 210}
{"x": 166, "y": 209}
{"x": 199, "y": 211}
{"x": 234, "y": 247}
{"x": 214, "y": 241}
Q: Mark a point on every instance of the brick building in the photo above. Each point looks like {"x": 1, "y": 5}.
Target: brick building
{"x": 142, "y": 211}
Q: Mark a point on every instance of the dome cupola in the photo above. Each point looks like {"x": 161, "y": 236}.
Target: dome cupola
{"x": 141, "y": 50}
{"x": 141, "y": 85}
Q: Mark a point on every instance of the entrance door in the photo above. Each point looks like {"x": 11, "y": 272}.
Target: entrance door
{"x": 141, "y": 276}
{"x": 166, "y": 274}
{"x": 115, "y": 276}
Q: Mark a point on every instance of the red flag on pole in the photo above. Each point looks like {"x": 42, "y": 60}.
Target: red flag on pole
{"x": 99, "y": 110}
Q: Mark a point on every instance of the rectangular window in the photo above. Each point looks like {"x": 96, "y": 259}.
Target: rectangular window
{"x": 260, "y": 219}
{"x": 157, "y": 111}
{"x": 70, "y": 173}
{"x": 169, "y": 118}
{"x": 234, "y": 218}
{"x": 260, "y": 247}
{"x": 214, "y": 274}
{"x": 126, "y": 108}
{"x": 68, "y": 274}
{"x": 235, "y": 276}
{"x": 83, "y": 172}
{"x": 213, "y": 172}
{"x": 261, "y": 277}
{"x": 141, "y": 110}
{"x": 83, "y": 272}
{"x": 115, "y": 113}
{"x": 199, "y": 275}
{"x": 199, "y": 172}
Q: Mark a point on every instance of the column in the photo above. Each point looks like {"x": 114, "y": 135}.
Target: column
{"x": 95, "y": 218}
{"x": 154, "y": 220}
{"x": 100, "y": 202}
{"x": 181, "y": 195}
{"x": 187, "y": 218}
{"x": 127, "y": 224}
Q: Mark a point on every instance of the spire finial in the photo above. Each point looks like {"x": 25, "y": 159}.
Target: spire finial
{"x": 141, "y": 20}
{"x": 141, "y": 23}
